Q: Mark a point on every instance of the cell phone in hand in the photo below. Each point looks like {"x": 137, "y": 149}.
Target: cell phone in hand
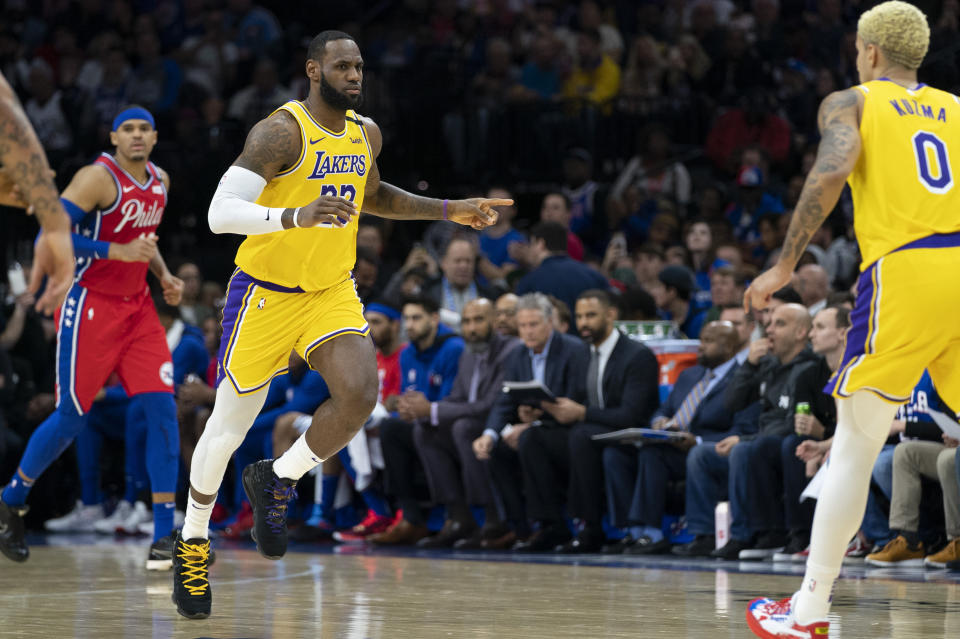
{"x": 16, "y": 279}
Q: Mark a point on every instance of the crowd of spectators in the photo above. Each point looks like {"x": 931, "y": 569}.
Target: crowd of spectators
{"x": 655, "y": 151}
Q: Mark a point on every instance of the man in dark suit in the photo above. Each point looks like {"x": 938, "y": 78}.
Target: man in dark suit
{"x": 444, "y": 430}
{"x": 554, "y": 272}
{"x": 637, "y": 477}
{"x": 516, "y": 433}
{"x": 622, "y": 391}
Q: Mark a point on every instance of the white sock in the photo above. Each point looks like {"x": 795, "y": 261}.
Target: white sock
{"x": 297, "y": 461}
{"x": 197, "y": 519}
{"x": 863, "y": 421}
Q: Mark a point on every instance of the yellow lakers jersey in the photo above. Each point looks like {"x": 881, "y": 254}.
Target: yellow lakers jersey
{"x": 330, "y": 163}
{"x": 903, "y": 182}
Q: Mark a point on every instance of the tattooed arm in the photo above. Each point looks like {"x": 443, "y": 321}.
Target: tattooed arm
{"x": 839, "y": 123}
{"x": 25, "y": 163}
{"x": 385, "y": 200}
{"x": 25, "y": 166}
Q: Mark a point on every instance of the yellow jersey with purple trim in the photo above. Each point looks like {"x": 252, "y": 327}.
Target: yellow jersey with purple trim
{"x": 330, "y": 163}
{"x": 904, "y": 181}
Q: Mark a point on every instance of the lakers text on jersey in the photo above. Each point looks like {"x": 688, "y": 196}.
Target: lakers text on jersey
{"x": 330, "y": 163}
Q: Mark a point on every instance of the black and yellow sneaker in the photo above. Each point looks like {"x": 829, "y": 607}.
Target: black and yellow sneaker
{"x": 12, "y": 532}
{"x": 269, "y": 496}
{"x": 191, "y": 583}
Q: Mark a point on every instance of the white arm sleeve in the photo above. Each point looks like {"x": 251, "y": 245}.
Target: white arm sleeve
{"x": 232, "y": 209}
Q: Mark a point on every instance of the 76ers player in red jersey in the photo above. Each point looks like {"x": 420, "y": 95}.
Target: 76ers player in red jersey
{"x": 108, "y": 324}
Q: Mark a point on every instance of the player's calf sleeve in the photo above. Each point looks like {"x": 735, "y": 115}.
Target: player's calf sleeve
{"x": 863, "y": 422}
{"x": 89, "y": 443}
{"x": 47, "y": 443}
{"x": 232, "y": 417}
{"x": 135, "y": 452}
{"x": 162, "y": 456}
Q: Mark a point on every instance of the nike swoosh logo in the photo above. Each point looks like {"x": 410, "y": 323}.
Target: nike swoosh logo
{"x": 127, "y": 189}
{"x": 317, "y": 140}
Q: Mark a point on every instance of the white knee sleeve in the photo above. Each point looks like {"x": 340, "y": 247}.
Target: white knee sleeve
{"x": 863, "y": 422}
{"x": 232, "y": 417}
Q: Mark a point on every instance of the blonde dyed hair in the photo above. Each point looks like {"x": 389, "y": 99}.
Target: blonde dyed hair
{"x": 899, "y": 29}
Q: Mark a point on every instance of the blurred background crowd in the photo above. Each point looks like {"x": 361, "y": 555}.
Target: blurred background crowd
{"x": 655, "y": 149}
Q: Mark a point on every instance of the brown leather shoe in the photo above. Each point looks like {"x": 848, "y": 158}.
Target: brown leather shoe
{"x": 488, "y": 532}
{"x": 504, "y": 542}
{"x": 452, "y": 532}
{"x": 402, "y": 533}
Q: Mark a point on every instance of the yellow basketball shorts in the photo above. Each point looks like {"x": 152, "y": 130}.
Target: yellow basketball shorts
{"x": 264, "y": 322}
{"x": 906, "y": 319}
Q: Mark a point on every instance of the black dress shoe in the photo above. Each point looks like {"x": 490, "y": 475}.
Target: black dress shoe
{"x": 731, "y": 551}
{"x": 452, "y": 532}
{"x": 701, "y": 546}
{"x": 619, "y": 546}
{"x": 545, "y": 539}
{"x": 486, "y": 533}
{"x": 586, "y": 541}
{"x": 647, "y": 546}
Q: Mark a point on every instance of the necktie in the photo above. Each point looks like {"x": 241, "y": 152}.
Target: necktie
{"x": 475, "y": 378}
{"x": 692, "y": 401}
{"x": 593, "y": 379}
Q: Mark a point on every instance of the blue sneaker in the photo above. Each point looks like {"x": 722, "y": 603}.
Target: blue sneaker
{"x": 269, "y": 496}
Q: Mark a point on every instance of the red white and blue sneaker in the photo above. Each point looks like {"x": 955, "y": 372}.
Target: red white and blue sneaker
{"x": 771, "y": 619}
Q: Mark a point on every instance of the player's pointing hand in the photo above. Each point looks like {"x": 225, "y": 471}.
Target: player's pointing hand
{"x": 476, "y": 212}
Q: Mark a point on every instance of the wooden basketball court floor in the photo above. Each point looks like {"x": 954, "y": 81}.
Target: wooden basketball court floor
{"x": 81, "y": 586}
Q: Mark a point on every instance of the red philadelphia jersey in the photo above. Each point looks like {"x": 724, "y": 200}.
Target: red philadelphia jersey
{"x": 388, "y": 370}
{"x": 136, "y": 211}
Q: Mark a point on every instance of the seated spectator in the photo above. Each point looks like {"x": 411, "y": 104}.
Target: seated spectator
{"x": 752, "y": 201}
{"x": 754, "y": 121}
{"x": 913, "y": 460}
{"x": 517, "y": 433}
{"x": 920, "y": 449}
{"x": 539, "y": 77}
{"x": 587, "y": 198}
{"x": 769, "y": 376}
{"x": 556, "y": 207}
{"x": 652, "y": 173}
{"x": 636, "y": 478}
{"x": 673, "y": 297}
{"x": 192, "y": 310}
{"x": 813, "y": 286}
{"x": 506, "y": 310}
{"x": 458, "y": 282}
{"x": 366, "y": 274}
{"x": 827, "y": 337}
{"x": 699, "y": 244}
{"x": 562, "y": 318}
{"x": 258, "y": 99}
{"x": 500, "y": 242}
{"x": 745, "y": 325}
{"x": 444, "y": 432}
{"x": 621, "y": 392}
{"x": 155, "y": 81}
{"x": 648, "y": 261}
{"x": 726, "y": 290}
{"x": 637, "y": 305}
{"x": 554, "y": 272}
{"x": 596, "y": 77}
{"x": 429, "y": 365}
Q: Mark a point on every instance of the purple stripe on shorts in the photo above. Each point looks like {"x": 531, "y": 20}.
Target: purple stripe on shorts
{"x": 237, "y": 289}
{"x": 858, "y": 333}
